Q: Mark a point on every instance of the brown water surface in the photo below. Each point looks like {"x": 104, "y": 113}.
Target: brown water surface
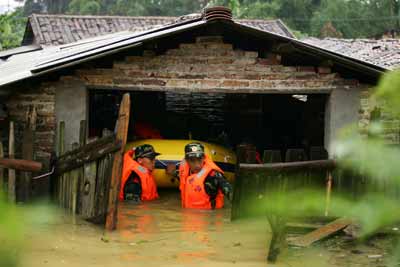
{"x": 158, "y": 233}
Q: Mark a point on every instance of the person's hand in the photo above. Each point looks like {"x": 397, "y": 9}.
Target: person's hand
{"x": 230, "y": 196}
{"x": 170, "y": 169}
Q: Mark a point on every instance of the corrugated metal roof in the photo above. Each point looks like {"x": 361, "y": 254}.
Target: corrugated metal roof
{"x": 19, "y": 50}
{"x": 63, "y": 29}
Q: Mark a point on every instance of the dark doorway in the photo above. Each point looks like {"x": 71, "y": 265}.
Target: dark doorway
{"x": 269, "y": 121}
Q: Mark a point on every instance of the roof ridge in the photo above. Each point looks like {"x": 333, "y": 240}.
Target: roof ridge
{"x": 99, "y": 16}
{"x": 139, "y": 17}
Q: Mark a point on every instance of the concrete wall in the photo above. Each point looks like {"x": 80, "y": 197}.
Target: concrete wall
{"x": 342, "y": 109}
{"x": 71, "y": 107}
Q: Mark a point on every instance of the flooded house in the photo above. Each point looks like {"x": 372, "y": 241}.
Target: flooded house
{"x": 205, "y": 76}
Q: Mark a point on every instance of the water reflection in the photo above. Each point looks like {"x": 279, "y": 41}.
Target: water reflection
{"x": 159, "y": 233}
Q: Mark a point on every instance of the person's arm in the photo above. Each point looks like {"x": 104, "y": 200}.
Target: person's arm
{"x": 224, "y": 185}
{"x": 173, "y": 170}
{"x": 216, "y": 181}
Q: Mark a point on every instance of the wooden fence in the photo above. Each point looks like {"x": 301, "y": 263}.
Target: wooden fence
{"x": 86, "y": 179}
{"x": 254, "y": 183}
{"x": 82, "y": 175}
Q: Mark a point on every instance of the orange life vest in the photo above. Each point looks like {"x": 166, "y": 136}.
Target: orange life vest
{"x": 149, "y": 188}
{"x": 193, "y": 194}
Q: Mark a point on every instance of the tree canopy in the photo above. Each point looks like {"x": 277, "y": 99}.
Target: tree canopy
{"x": 319, "y": 18}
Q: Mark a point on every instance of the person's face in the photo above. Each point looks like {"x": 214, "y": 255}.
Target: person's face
{"x": 195, "y": 164}
{"x": 148, "y": 163}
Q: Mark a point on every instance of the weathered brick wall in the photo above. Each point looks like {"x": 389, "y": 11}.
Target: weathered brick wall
{"x": 211, "y": 64}
{"x": 42, "y": 97}
{"x": 371, "y": 110}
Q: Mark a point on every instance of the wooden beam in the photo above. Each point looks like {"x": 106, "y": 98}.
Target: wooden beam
{"x": 21, "y": 164}
{"x": 291, "y": 166}
{"x": 97, "y": 144}
{"x": 321, "y": 233}
{"x": 83, "y": 157}
{"x": 122, "y": 133}
{"x": 273, "y": 90}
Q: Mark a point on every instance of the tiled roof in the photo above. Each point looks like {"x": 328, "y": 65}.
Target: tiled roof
{"x": 384, "y": 52}
{"x": 63, "y": 29}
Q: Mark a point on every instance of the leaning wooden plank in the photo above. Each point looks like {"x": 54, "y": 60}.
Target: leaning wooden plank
{"x": 321, "y": 233}
{"x": 21, "y": 164}
{"x": 121, "y": 135}
{"x": 73, "y": 162}
{"x": 87, "y": 148}
{"x": 11, "y": 171}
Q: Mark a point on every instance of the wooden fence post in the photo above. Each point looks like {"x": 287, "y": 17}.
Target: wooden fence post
{"x": 121, "y": 135}
{"x": 61, "y": 148}
{"x": 74, "y": 176}
{"x": 328, "y": 192}
{"x": 82, "y": 142}
{"x": 89, "y": 188}
{"x": 27, "y": 152}
{"x": 11, "y": 172}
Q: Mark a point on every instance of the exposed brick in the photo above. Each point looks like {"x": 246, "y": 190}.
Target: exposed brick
{"x": 149, "y": 53}
{"x": 324, "y": 70}
{"x": 99, "y": 79}
{"x": 209, "y": 39}
{"x": 306, "y": 68}
{"x": 251, "y": 54}
{"x": 245, "y": 61}
{"x": 267, "y": 61}
{"x": 235, "y": 83}
{"x": 134, "y": 59}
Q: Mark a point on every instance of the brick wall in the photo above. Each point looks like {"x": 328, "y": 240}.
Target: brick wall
{"x": 211, "y": 64}
{"x": 371, "y": 110}
{"x": 43, "y": 98}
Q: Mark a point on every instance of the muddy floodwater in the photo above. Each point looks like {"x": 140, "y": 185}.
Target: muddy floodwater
{"x": 159, "y": 233}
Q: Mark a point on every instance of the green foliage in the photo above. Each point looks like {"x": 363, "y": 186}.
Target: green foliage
{"x": 84, "y": 7}
{"x": 371, "y": 158}
{"x": 388, "y": 91}
{"x": 12, "y": 27}
{"x": 10, "y": 234}
{"x": 15, "y": 221}
{"x": 319, "y": 18}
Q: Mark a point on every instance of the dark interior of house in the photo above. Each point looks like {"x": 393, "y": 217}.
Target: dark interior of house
{"x": 269, "y": 121}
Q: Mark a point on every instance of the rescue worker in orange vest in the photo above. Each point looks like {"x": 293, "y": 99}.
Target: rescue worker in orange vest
{"x": 202, "y": 182}
{"x": 137, "y": 179}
